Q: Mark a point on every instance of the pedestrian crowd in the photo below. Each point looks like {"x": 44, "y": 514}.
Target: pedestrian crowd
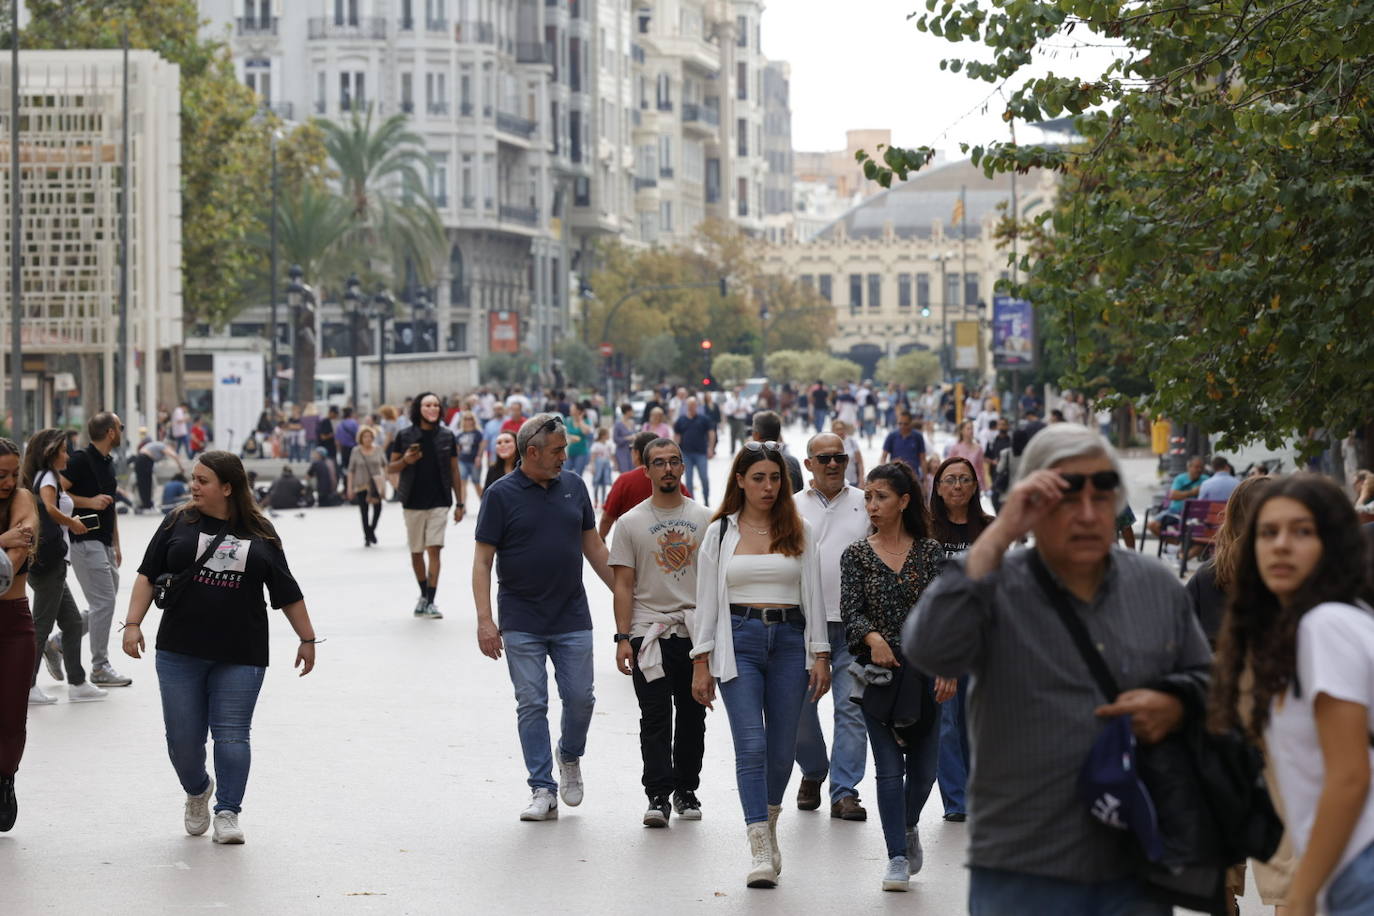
{"x": 1064, "y": 693}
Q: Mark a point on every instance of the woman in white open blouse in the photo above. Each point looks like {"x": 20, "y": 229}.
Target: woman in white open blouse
{"x": 760, "y": 631}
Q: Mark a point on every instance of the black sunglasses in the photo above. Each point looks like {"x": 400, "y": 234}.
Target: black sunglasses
{"x": 551, "y": 424}
{"x": 1102, "y": 481}
{"x": 840, "y": 458}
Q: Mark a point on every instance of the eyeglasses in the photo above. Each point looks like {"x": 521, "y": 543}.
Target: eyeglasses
{"x": 1102, "y": 481}
{"x": 659, "y": 464}
{"x": 840, "y": 458}
{"x": 961, "y": 481}
{"x": 769, "y": 446}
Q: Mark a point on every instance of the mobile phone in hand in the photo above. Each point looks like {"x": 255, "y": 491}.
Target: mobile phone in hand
{"x": 90, "y": 520}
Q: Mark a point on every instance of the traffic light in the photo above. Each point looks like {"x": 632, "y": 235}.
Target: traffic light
{"x": 708, "y": 384}
{"x": 706, "y": 345}
{"x": 925, "y": 311}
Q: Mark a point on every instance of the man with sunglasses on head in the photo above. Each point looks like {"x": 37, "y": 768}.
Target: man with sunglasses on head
{"x": 537, "y": 525}
{"x": 654, "y": 560}
{"x": 836, "y": 513}
{"x": 1035, "y": 710}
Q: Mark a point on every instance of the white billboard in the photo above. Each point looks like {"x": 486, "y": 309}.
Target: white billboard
{"x": 238, "y": 398}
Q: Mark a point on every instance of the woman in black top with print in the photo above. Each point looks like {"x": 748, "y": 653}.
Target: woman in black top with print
{"x": 212, "y": 641}
{"x": 956, "y": 520}
{"x": 881, "y": 578}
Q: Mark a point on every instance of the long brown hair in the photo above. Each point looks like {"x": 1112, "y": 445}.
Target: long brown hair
{"x": 244, "y": 517}
{"x": 939, "y": 513}
{"x": 1240, "y": 507}
{"x": 789, "y": 538}
{"x": 40, "y": 453}
{"x": 1257, "y": 629}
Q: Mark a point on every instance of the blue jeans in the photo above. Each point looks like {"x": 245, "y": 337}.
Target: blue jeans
{"x": 578, "y": 463}
{"x": 952, "y": 769}
{"x": 527, "y": 658}
{"x": 846, "y": 764}
{"x": 200, "y": 696}
{"x": 763, "y": 703}
{"x": 696, "y": 462}
{"x": 1351, "y": 892}
{"x": 993, "y": 892}
{"x": 905, "y": 776}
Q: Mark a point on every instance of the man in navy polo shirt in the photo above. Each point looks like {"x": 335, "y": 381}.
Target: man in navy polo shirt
{"x": 537, "y": 523}
{"x": 905, "y": 443}
{"x": 696, "y": 436}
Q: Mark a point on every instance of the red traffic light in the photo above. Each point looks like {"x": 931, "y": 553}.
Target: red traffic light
{"x": 706, "y": 345}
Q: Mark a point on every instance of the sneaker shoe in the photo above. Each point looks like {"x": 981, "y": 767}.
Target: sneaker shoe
{"x": 52, "y": 655}
{"x": 809, "y": 794}
{"x": 422, "y": 607}
{"x": 432, "y": 611}
{"x": 570, "y": 781}
{"x": 85, "y": 692}
{"x": 659, "y": 809}
{"x": 9, "y": 805}
{"x": 106, "y": 676}
{"x": 915, "y": 855}
{"x": 543, "y": 806}
{"x": 38, "y": 698}
{"x": 849, "y": 809}
{"x": 686, "y": 805}
{"x": 227, "y": 829}
{"x": 898, "y": 875}
{"x": 956, "y": 817}
{"x": 197, "y": 816}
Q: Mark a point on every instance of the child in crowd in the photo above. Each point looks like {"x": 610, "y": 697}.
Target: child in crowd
{"x": 603, "y": 453}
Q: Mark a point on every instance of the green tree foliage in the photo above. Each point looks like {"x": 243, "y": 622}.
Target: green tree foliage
{"x": 732, "y": 368}
{"x": 224, "y": 138}
{"x": 798, "y": 366}
{"x": 628, "y": 291}
{"x": 1213, "y": 229}
{"x": 837, "y": 371}
{"x": 579, "y": 362}
{"x": 504, "y": 368}
{"x": 658, "y": 357}
{"x": 913, "y": 370}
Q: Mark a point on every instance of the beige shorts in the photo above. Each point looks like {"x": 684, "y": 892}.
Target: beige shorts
{"x": 426, "y": 527}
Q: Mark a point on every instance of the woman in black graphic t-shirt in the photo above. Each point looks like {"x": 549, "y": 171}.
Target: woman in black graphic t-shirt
{"x": 212, "y": 641}
{"x": 957, "y": 518}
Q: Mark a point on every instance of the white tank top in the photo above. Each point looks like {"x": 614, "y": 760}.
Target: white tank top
{"x": 767, "y": 578}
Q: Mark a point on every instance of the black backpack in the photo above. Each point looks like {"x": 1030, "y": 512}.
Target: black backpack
{"x": 52, "y": 546}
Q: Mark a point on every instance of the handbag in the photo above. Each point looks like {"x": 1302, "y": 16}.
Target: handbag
{"x": 167, "y": 587}
{"x": 1207, "y": 790}
{"x": 52, "y": 546}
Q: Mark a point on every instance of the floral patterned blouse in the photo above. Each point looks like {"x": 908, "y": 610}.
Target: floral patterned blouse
{"x": 873, "y": 598}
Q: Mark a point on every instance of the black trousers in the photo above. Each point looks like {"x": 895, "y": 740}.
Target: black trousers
{"x": 672, "y": 750}
{"x": 143, "y": 476}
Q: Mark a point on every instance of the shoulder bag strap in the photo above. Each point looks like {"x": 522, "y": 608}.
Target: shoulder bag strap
{"x": 1077, "y": 631}
{"x": 209, "y": 552}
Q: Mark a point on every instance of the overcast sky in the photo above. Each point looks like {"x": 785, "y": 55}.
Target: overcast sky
{"x": 863, "y": 64}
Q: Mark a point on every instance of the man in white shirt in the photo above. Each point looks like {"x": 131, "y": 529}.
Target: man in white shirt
{"x": 654, "y": 562}
{"x": 736, "y": 409}
{"x": 838, "y": 518}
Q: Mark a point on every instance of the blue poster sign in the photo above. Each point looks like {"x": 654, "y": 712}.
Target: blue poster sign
{"x": 1013, "y": 333}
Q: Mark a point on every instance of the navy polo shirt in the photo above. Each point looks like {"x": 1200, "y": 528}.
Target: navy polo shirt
{"x": 537, "y": 533}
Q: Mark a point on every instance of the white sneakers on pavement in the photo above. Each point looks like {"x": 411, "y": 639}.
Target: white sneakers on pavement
{"x": 898, "y": 875}
{"x": 106, "y": 676}
{"x": 86, "y": 692}
{"x": 543, "y": 806}
{"x": 570, "y": 781}
{"x": 227, "y": 829}
{"x": 38, "y": 698}
{"x": 198, "y": 811}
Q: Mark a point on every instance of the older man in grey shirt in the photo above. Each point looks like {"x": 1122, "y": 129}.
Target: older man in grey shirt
{"x": 1034, "y": 707}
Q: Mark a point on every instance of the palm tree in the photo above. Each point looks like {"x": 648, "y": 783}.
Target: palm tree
{"x": 382, "y": 173}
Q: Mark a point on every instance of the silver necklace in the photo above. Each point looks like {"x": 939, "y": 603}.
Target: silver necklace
{"x": 891, "y": 553}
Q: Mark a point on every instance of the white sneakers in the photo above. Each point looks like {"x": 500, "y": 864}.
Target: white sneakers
{"x": 227, "y": 828}
{"x": 38, "y": 698}
{"x": 198, "y": 811}
{"x": 543, "y": 806}
{"x": 898, "y": 874}
{"x": 86, "y": 692}
{"x": 570, "y": 781}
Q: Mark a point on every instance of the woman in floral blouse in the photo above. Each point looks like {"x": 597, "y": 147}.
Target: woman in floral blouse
{"x": 881, "y": 577}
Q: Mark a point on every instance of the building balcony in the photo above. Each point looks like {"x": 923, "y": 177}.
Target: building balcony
{"x": 406, "y": 25}
{"x": 482, "y": 33}
{"x": 407, "y": 106}
{"x": 320, "y": 106}
{"x": 526, "y": 216}
{"x": 514, "y": 124}
{"x": 700, "y": 117}
{"x": 637, "y": 54}
{"x": 529, "y": 52}
{"x": 465, "y": 109}
{"x": 665, "y": 105}
{"x": 438, "y": 26}
{"x": 366, "y": 28}
{"x": 353, "y": 105}
{"x": 666, "y": 172}
{"x": 437, "y": 108}
{"x": 470, "y": 202}
{"x": 257, "y": 26}
{"x": 284, "y": 110}
{"x": 440, "y": 200}
{"x": 645, "y": 184}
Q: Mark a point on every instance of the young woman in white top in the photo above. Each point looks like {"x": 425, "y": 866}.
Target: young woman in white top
{"x": 1299, "y": 616}
{"x": 45, "y": 459}
{"x": 759, "y": 629}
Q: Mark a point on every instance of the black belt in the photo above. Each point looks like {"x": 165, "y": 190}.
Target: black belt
{"x": 769, "y": 615}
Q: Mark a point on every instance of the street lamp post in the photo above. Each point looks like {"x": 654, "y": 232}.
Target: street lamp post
{"x": 300, "y": 299}
{"x": 353, "y": 301}
{"x": 383, "y": 305}
{"x": 419, "y": 313}
{"x": 272, "y": 282}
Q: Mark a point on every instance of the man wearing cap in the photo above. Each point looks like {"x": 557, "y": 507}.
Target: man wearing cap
{"x": 1035, "y": 710}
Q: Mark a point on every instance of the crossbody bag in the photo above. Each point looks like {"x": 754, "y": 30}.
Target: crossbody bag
{"x": 167, "y": 587}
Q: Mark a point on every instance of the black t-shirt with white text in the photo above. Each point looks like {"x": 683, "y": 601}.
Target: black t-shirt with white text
{"x": 955, "y": 540}
{"x": 221, "y": 615}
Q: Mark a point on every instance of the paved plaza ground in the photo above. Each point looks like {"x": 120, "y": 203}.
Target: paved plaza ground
{"x": 390, "y": 779}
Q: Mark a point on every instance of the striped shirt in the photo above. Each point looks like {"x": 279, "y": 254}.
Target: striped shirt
{"x": 1030, "y": 706}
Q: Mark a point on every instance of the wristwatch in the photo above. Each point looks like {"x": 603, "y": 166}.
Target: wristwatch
{"x": 460, "y": 505}
{"x": 621, "y": 637}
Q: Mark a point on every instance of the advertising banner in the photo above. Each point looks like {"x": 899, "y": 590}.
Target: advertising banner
{"x": 967, "y": 343}
{"x": 1013, "y": 333}
{"x": 238, "y": 398}
{"x": 505, "y": 332}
